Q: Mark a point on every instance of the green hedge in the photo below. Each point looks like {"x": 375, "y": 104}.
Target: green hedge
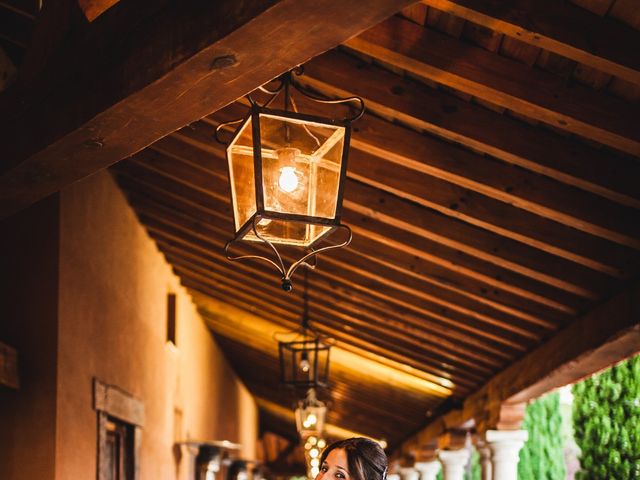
{"x": 542, "y": 457}
{"x": 606, "y": 422}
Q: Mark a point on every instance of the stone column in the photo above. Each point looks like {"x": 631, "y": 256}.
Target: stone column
{"x": 485, "y": 459}
{"x": 409, "y": 473}
{"x": 428, "y": 470}
{"x": 453, "y": 463}
{"x": 505, "y": 449}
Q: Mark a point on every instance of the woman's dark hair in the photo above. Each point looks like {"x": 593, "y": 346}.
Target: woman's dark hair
{"x": 367, "y": 460}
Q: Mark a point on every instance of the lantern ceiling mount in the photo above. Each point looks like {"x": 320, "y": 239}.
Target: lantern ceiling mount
{"x": 286, "y": 172}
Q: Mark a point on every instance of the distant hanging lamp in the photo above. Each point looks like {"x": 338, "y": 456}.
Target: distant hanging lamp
{"x": 287, "y": 171}
{"x": 304, "y": 359}
{"x": 310, "y": 416}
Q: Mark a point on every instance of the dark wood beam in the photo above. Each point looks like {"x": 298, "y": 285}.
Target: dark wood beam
{"x": 143, "y": 69}
{"x": 501, "y": 81}
{"x": 560, "y": 27}
{"x": 597, "y": 340}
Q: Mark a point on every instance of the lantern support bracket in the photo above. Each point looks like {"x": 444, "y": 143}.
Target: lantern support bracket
{"x": 278, "y": 263}
{"x": 285, "y": 81}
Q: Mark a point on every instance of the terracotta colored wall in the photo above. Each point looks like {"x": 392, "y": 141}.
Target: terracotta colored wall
{"x": 112, "y": 286}
{"x": 28, "y": 311}
{"x": 112, "y": 305}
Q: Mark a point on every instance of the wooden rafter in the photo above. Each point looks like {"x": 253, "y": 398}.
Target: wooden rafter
{"x": 501, "y": 81}
{"x": 560, "y": 27}
{"x": 167, "y": 64}
{"x": 607, "y": 334}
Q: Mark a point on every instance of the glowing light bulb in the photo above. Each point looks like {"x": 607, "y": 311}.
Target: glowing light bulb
{"x": 312, "y": 440}
{"x": 313, "y": 453}
{"x": 314, "y": 471}
{"x": 321, "y": 444}
{"x": 288, "y": 180}
{"x": 311, "y": 419}
{"x": 304, "y": 362}
{"x": 315, "y": 462}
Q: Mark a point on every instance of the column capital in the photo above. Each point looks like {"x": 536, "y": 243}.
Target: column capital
{"x": 409, "y": 473}
{"x": 505, "y": 449}
{"x": 501, "y": 436}
{"x": 428, "y": 470}
{"x": 453, "y": 463}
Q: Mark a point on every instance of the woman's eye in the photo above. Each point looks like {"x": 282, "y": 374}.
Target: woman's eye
{"x": 339, "y": 475}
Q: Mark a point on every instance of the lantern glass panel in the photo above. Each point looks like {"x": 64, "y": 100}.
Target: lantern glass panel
{"x": 301, "y": 165}
{"x": 242, "y": 175}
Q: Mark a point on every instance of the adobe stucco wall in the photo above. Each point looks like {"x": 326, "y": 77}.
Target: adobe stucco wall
{"x": 112, "y": 325}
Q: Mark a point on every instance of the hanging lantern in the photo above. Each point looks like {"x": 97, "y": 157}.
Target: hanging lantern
{"x": 304, "y": 359}
{"x": 286, "y": 172}
{"x": 310, "y": 416}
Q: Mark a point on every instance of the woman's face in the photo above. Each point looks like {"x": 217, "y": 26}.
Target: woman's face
{"x": 335, "y": 466}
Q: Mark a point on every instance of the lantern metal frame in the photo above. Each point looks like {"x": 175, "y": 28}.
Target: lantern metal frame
{"x": 306, "y": 340}
{"x": 309, "y": 259}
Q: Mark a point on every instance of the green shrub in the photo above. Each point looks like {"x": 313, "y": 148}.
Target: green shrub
{"x": 542, "y": 457}
{"x": 606, "y": 422}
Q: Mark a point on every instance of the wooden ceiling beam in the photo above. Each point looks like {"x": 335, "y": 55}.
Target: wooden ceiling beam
{"x": 223, "y": 288}
{"x": 144, "y": 69}
{"x": 488, "y": 214}
{"x": 501, "y": 81}
{"x": 607, "y": 334}
{"x": 462, "y": 236}
{"x": 400, "y": 338}
{"x": 341, "y": 294}
{"x": 336, "y": 75}
{"x": 159, "y": 226}
{"x": 478, "y": 275}
{"x": 373, "y": 352}
{"x": 404, "y": 298}
{"x": 364, "y": 305}
{"x": 379, "y": 234}
{"x": 560, "y": 27}
{"x": 388, "y": 291}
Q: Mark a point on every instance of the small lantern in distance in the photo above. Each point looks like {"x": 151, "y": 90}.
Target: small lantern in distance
{"x": 287, "y": 172}
{"x": 310, "y": 416}
{"x": 304, "y": 359}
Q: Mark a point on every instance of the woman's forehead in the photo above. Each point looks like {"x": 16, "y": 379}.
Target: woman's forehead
{"x": 338, "y": 457}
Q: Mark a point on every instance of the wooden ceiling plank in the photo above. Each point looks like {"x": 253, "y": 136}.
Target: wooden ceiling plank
{"x": 441, "y": 256}
{"x": 354, "y": 324}
{"x": 203, "y": 246}
{"x": 255, "y": 330}
{"x": 496, "y": 79}
{"x": 560, "y": 27}
{"x": 406, "y": 299}
{"x": 342, "y": 295}
{"x": 336, "y": 75}
{"x": 540, "y": 304}
{"x": 168, "y": 63}
{"x": 491, "y": 215}
{"x": 437, "y": 256}
{"x": 237, "y": 299}
{"x": 508, "y": 337}
{"x": 429, "y": 364}
{"x": 434, "y": 254}
{"x": 458, "y": 235}
{"x": 363, "y": 306}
